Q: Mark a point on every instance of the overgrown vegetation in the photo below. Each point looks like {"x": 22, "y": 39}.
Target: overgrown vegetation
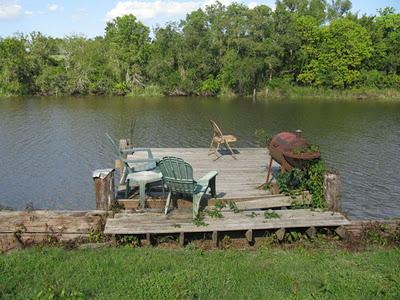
{"x": 311, "y": 178}
{"x": 148, "y": 273}
{"x": 218, "y": 50}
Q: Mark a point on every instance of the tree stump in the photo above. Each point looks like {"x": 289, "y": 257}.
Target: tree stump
{"x": 104, "y": 188}
{"x": 332, "y": 190}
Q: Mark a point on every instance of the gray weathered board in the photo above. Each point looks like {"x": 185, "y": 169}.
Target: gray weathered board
{"x": 236, "y": 179}
{"x": 181, "y": 221}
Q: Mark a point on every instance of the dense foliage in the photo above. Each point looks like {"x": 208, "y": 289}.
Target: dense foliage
{"x": 216, "y": 50}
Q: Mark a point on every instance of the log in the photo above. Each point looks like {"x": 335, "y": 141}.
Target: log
{"x": 332, "y": 189}
{"x": 104, "y": 188}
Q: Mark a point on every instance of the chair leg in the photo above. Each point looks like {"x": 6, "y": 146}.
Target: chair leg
{"x": 127, "y": 189}
{"x": 167, "y": 203}
{"x": 230, "y": 149}
{"x": 211, "y": 149}
{"x": 196, "y": 204}
{"x": 142, "y": 192}
{"x": 212, "y": 187}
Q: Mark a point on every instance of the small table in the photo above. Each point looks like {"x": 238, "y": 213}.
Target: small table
{"x": 141, "y": 179}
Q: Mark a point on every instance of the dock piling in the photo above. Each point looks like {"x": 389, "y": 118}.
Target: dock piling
{"x": 105, "y": 188}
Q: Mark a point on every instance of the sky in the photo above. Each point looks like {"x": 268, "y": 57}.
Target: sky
{"x": 59, "y": 18}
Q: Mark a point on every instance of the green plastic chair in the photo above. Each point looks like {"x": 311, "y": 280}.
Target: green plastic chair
{"x": 134, "y": 166}
{"x": 178, "y": 176}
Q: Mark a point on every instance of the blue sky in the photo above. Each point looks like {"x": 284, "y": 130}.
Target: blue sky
{"x": 88, "y": 17}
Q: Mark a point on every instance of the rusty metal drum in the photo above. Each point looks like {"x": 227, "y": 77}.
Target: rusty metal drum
{"x": 282, "y": 146}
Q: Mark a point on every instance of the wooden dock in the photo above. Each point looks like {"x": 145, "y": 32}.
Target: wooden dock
{"x": 238, "y": 180}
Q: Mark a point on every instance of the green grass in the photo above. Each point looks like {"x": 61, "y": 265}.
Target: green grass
{"x": 114, "y": 273}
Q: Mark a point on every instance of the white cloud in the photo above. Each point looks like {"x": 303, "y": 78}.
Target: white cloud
{"x": 253, "y": 4}
{"x": 28, "y": 13}
{"x": 9, "y": 9}
{"x": 150, "y": 10}
{"x": 53, "y": 7}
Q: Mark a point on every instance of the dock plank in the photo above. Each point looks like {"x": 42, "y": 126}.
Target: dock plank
{"x": 157, "y": 223}
{"x": 236, "y": 179}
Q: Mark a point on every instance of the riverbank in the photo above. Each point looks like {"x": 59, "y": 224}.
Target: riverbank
{"x": 112, "y": 273}
{"x": 289, "y": 92}
{"x": 360, "y": 94}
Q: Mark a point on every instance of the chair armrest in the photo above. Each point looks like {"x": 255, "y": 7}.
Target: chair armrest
{"x": 133, "y": 161}
{"x": 210, "y": 175}
{"x": 133, "y": 150}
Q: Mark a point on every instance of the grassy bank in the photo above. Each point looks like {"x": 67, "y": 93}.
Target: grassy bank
{"x": 285, "y": 92}
{"x": 113, "y": 273}
{"x": 296, "y": 92}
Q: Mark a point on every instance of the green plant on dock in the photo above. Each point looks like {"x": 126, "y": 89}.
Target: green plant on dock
{"x": 219, "y": 204}
{"x": 253, "y": 214}
{"x": 215, "y": 212}
{"x": 232, "y": 206}
{"x": 270, "y": 214}
{"x": 311, "y": 178}
{"x": 262, "y": 137}
{"x": 117, "y": 207}
{"x": 306, "y": 149}
{"x": 199, "y": 220}
{"x": 95, "y": 235}
{"x": 128, "y": 240}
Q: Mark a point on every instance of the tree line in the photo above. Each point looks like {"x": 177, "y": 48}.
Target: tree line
{"x": 216, "y": 50}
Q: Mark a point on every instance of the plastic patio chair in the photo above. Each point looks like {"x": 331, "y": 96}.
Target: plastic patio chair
{"x": 139, "y": 171}
{"x": 178, "y": 176}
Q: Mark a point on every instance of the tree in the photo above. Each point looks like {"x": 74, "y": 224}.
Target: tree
{"x": 128, "y": 48}
{"x": 335, "y": 59}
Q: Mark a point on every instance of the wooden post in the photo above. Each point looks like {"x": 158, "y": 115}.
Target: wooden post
{"x": 215, "y": 238}
{"x": 249, "y": 236}
{"x": 332, "y": 189}
{"x": 123, "y": 144}
{"x": 182, "y": 239}
{"x": 104, "y": 188}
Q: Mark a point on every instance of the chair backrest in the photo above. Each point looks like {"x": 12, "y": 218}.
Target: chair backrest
{"x": 117, "y": 152}
{"x": 178, "y": 175}
{"x": 217, "y": 131}
{"x": 141, "y": 160}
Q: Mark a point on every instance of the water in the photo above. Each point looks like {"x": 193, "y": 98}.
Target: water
{"x": 49, "y": 147}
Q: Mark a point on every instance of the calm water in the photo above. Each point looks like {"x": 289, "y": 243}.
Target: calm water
{"x": 49, "y": 147}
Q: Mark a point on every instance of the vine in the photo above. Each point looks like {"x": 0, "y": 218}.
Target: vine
{"x": 311, "y": 178}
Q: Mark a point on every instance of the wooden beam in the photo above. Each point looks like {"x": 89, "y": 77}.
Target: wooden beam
{"x": 268, "y": 201}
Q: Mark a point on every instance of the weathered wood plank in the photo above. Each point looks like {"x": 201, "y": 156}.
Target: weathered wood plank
{"x": 65, "y": 222}
{"x": 230, "y": 222}
{"x": 246, "y": 202}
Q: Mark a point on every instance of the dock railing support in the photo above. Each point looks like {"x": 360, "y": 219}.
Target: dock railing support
{"x": 332, "y": 190}
{"x": 105, "y": 188}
